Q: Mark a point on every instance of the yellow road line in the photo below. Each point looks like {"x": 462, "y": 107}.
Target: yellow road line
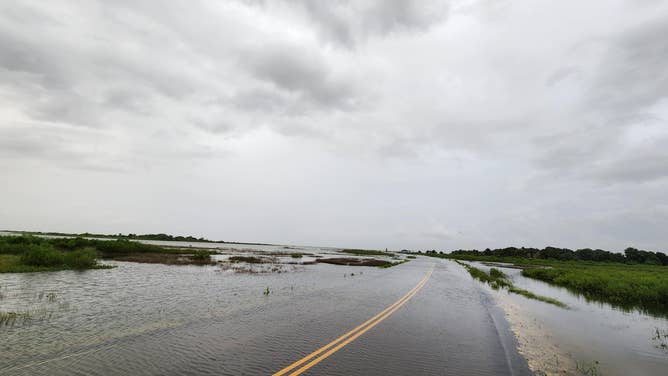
{"x": 353, "y": 334}
{"x": 318, "y": 351}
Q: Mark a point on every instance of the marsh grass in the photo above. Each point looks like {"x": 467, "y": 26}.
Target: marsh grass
{"x": 19, "y": 254}
{"x": 10, "y": 318}
{"x": 530, "y": 295}
{"x": 626, "y": 286}
{"x": 365, "y": 252}
{"x": 201, "y": 256}
{"x": 351, "y": 261}
{"x": 496, "y": 279}
{"x": 660, "y": 339}
{"x": 249, "y": 259}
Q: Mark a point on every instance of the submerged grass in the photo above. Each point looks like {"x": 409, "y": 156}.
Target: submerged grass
{"x": 530, "y": 295}
{"x": 498, "y": 280}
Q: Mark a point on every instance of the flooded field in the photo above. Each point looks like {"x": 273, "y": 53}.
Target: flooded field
{"x": 594, "y": 335}
{"x": 152, "y": 319}
{"x": 261, "y": 307}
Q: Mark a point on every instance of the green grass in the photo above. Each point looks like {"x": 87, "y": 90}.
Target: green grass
{"x": 24, "y": 254}
{"x": 296, "y": 255}
{"x": 13, "y": 264}
{"x": 626, "y": 286}
{"x": 498, "y": 280}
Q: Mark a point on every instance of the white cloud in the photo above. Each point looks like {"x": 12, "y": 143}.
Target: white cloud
{"x": 377, "y": 123}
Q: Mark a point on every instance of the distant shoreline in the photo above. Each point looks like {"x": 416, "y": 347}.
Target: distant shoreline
{"x": 130, "y": 236}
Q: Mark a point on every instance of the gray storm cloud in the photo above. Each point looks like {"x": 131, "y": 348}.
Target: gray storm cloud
{"x": 356, "y": 123}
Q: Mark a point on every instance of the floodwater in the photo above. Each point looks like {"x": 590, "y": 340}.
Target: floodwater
{"x": 621, "y": 341}
{"x": 151, "y": 319}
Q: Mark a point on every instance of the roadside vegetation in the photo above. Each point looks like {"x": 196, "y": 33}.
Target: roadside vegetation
{"x": 634, "y": 280}
{"x": 26, "y": 253}
{"x": 496, "y": 279}
{"x": 627, "y": 286}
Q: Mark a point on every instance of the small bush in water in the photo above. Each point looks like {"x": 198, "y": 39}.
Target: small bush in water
{"x": 81, "y": 258}
{"x": 42, "y": 255}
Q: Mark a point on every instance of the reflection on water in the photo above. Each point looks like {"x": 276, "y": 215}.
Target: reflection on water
{"x": 621, "y": 340}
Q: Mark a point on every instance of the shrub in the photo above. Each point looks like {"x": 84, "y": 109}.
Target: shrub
{"x": 201, "y": 256}
{"x": 81, "y": 258}
{"x": 42, "y": 255}
{"x": 122, "y": 246}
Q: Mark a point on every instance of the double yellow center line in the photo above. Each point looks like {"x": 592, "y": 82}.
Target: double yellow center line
{"x": 322, "y": 353}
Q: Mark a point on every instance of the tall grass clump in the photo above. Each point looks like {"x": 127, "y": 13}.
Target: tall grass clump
{"x": 201, "y": 257}
{"x": 81, "y": 258}
{"x": 42, "y": 255}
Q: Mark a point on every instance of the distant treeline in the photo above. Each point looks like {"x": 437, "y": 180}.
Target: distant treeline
{"x": 630, "y": 255}
{"x": 163, "y": 237}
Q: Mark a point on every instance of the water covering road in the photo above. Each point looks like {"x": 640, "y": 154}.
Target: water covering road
{"x": 172, "y": 320}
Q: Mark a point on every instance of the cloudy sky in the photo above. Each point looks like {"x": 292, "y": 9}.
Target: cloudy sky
{"x": 399, "y": 124}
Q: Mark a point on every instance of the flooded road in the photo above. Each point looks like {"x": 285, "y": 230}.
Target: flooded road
{"x": 148, "y": 319}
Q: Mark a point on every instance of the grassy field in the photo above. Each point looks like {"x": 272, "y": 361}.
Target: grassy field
{"x": 628, "y": 286}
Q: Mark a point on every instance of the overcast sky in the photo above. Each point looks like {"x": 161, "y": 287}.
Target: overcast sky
{"x": 399, "y": 124}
